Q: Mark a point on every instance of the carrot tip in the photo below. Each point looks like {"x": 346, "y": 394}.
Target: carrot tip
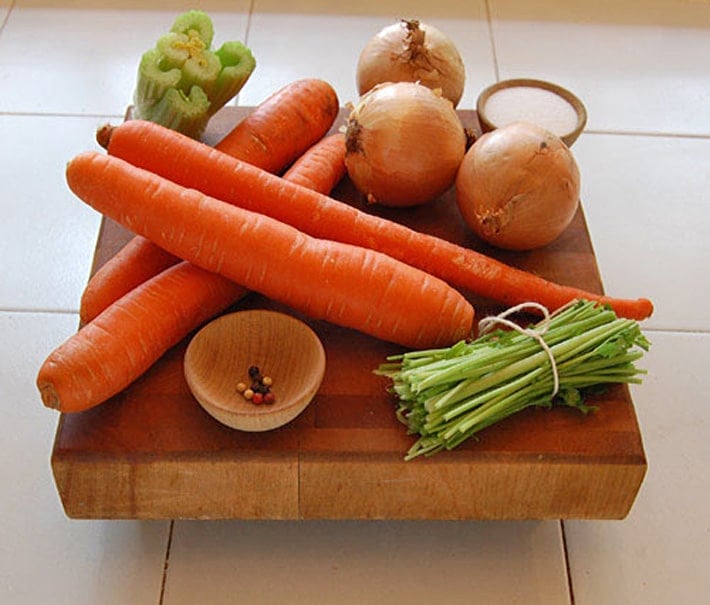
{"x": 50, "y": 397}
{"x": 649, "y": 308}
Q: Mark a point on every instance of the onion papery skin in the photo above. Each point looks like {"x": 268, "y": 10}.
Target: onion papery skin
{"x": 398, "y": 54}
{"x": 518, "y": 187}
{"x": 404, "y": 144}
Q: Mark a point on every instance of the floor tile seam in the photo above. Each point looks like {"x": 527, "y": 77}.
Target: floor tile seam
{"x": 166, "y": 563}
{"x": 567, "y": 562}
{"x": 30, "y": 311}
{"x": 676, "y": 331}
{"x": 52, "y": 114}
{"x": 492, "y": 39}
{"x": 649, "y": 134}
{"x": 250, "y": 16}
{"x": 4, "y": 20}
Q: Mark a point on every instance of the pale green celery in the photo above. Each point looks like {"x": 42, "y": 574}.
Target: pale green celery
{"x": 195, "y": 21}
{"x": 181, "y": 112}
{"x": 153, "y": 82}
{"x": 201, "y": 70}
{"x": 237, "y": 65}
{"x": 447, "y": 396}
{"x": 182, "y": 73}
{"x": 173, "y": 50}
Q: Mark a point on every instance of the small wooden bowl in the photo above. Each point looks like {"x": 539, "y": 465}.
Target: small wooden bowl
{"x": 282, "y": 347}
{"x": 526, "y": 113}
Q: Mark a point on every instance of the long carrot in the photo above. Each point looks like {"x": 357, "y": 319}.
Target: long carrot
{"x": 347, "y": 285}
{"x": 193, "y": 164}
{"x": 178, "y": 300}
{"x": 277, "y": 132}
{"x": 120, "y": 344}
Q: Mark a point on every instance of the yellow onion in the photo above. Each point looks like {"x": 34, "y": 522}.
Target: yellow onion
{"x": 410, "y": 51}
{"x": 518, "y": 187}
{"x": 404, "y": 144}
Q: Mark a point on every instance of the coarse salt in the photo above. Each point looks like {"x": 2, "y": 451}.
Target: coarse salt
{"x": 530, "y": 104}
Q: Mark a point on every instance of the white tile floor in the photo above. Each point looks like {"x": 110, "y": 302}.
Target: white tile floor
{"x": 641, "y": 67}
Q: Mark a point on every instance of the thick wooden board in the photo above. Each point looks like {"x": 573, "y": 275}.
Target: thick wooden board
{"x": 152, "y": 452}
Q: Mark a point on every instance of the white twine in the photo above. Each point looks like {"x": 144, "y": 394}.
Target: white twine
{"x": 487, "y": 323}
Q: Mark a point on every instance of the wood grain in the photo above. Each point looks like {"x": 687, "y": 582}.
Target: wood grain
{"x": 152, "y": 452}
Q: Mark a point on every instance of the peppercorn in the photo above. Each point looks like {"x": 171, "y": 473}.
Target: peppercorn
{"x": 259, "y": 390}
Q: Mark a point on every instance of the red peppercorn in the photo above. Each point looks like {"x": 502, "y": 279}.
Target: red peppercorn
{"x": 269, "y": 397}
{"x": 257, "y": 398}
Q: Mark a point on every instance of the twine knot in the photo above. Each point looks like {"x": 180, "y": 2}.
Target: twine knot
{"x": 487, "y": 323}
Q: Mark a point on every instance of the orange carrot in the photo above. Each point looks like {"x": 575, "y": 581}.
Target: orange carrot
{"x": 347, "y": 285}
{"x": 139, "y": 260}
{"x": 181, "y": 299}
{"x": 322, "y": 166}
{"x": 272, "y": 136}
{"x": 193, "y": 164}
{"x": 284, "y": 125}
{"x": 121, "y": 343}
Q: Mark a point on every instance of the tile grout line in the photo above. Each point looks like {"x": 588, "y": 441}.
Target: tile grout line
{"x": 568, "y": 568}
{"x": 679, "y": 331}
{"x": 648, "y": 134}
{"x": 41, "y": 114}
{"x": 491, "y": 37}
{"x": 166, "y": 563}
{"x": 7, "y": 15}
{"x": 249, "y": 18}
{"x": 235, "y": 101}
{"x": 29, "y": 311}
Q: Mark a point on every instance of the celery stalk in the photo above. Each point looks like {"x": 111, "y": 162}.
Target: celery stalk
{"x": 174, "y": 49}
{"x": 153, "y": 81}
{"x": 447, "y": 396}
{"x": 202, "y": 71}
{"x": 237, "y": 65}
{"x": 181, "y": 112}
{"x": 183, "y": 74}
{"x": 197, "y": 22}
